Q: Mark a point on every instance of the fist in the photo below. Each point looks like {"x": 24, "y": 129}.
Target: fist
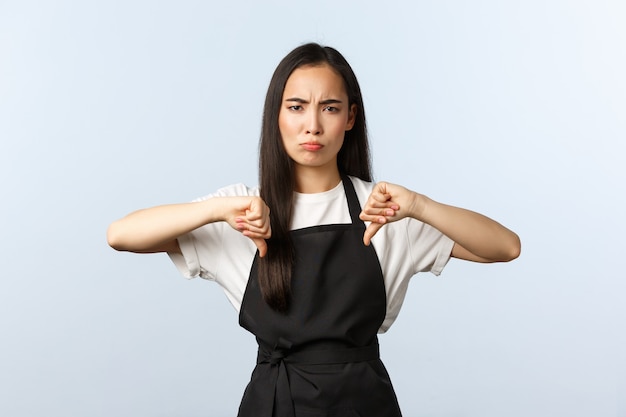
{"x": 387, "y": 203}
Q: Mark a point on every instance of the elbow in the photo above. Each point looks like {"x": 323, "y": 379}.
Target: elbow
{"x": 514, "y": 249}
{"x": 114, "y": 238}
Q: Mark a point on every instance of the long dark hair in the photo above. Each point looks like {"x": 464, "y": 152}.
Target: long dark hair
{"x": 276, "y": 169}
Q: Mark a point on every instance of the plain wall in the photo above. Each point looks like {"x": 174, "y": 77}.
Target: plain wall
{"x": 513, "y": 109}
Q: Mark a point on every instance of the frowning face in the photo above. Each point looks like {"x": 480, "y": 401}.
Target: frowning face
{"x": 314, "y": 116}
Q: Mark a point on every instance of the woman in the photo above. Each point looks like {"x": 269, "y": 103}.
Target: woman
{"x": 294, "y": 256}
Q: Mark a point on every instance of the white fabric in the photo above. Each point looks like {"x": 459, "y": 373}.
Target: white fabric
{"x": 219, "y": 253}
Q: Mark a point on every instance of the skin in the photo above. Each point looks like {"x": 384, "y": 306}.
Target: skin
{"x": 313, "y": 119}
{"x": 477, "y": 238}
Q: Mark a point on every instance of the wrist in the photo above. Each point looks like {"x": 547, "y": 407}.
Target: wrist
{"x": 419, "y": 204}
{"x": 215, "y": 209}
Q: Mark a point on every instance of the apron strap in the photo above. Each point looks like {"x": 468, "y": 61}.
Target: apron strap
{"x": 278, "y": 392}
{"x": 353, "y": 201}
{"x": 282, "y": 353}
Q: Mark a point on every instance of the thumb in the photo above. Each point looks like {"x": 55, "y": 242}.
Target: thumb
{"x": 370, "y": 231}
{"x": 261, "y": 244}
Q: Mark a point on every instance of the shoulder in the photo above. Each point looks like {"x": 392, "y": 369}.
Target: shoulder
{"x": 233, "y": 190}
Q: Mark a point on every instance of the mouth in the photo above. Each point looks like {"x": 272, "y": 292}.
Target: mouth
{"x": 312, "y": 146}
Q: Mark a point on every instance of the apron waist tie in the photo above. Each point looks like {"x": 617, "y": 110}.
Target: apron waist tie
{"x": 278, "y": 387}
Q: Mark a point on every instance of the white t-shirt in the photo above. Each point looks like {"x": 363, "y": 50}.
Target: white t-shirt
{"x": 219, "y": 253}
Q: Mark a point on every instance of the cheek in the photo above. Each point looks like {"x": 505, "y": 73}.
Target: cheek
{"x": 285, "y": 125}
{"x": 340, "y": 126}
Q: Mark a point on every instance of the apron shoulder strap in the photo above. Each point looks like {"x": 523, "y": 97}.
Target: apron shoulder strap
{"x": 353, "y": 201}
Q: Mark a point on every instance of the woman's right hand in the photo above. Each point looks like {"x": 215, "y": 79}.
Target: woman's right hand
{"x": 251, "y": 216}
{"x": 156, "y": 229}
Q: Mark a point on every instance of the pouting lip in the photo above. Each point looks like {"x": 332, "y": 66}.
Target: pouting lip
{"x": 312, "y": 146}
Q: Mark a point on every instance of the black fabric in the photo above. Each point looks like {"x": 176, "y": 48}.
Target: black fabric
{"x": 321, "y": 357}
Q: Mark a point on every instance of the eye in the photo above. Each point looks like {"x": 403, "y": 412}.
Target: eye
{"x": 295, "y": 107}
{"x": 331, "y": 109}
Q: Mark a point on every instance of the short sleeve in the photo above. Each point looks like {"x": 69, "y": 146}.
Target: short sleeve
{"x": 406, "y": 248}
{"x": 200, "y": 250}
{"x": 217, "y": 252}
{"x": 429, "y": 248}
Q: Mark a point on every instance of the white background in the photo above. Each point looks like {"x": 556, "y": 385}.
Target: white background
{"x": 514, "y": 109}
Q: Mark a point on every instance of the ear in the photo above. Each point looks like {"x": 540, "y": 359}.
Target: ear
{"x": 351, "y": 117}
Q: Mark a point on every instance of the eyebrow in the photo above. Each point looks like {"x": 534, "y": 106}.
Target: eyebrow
{"x": 303, "y": 101}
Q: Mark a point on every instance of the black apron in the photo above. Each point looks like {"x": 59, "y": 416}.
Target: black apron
{"x": 321, "y": 358}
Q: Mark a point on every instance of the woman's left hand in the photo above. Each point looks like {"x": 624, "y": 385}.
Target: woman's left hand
{"x": 389, "y": 203}
{"x": 477, "y": 237}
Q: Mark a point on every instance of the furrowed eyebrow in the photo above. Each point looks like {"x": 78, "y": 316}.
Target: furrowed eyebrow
{"x": 331, "y": 101}
{"x": 303, "y": 101}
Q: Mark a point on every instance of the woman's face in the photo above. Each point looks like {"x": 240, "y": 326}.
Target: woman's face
{"x": 314, "y": 116}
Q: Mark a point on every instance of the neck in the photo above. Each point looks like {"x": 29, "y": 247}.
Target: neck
{"x": 310, "y": 180}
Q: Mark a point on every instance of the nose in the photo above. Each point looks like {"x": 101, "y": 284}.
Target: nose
{"x": 314, "y": 125}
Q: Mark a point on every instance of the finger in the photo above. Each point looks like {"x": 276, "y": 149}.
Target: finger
{"x": 380, "y": 198}
{"x": 255, "y": 213}
{"x": 257, "y": 210}
{"x": 370, "y": 231}
{"x": 261, "y": 244}
{"x": 381, "y": 188}
{"x": 383, "y": 200}
{"x": 257, "y": 218}
{"x": 386, "y": 204}
{"x": 372, "y": 203}
{"x": 372, "y": 228}
{"x": 258, "y": 225}
{"x": 377, "y": 212}
{"x": 380, "y": 191}
{"x": 254, "y": 229}
{"x": 256, "y": 235}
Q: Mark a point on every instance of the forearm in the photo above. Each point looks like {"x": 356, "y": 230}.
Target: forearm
{"x": 147, "y": 229}
{"x": 478, "y": 234}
